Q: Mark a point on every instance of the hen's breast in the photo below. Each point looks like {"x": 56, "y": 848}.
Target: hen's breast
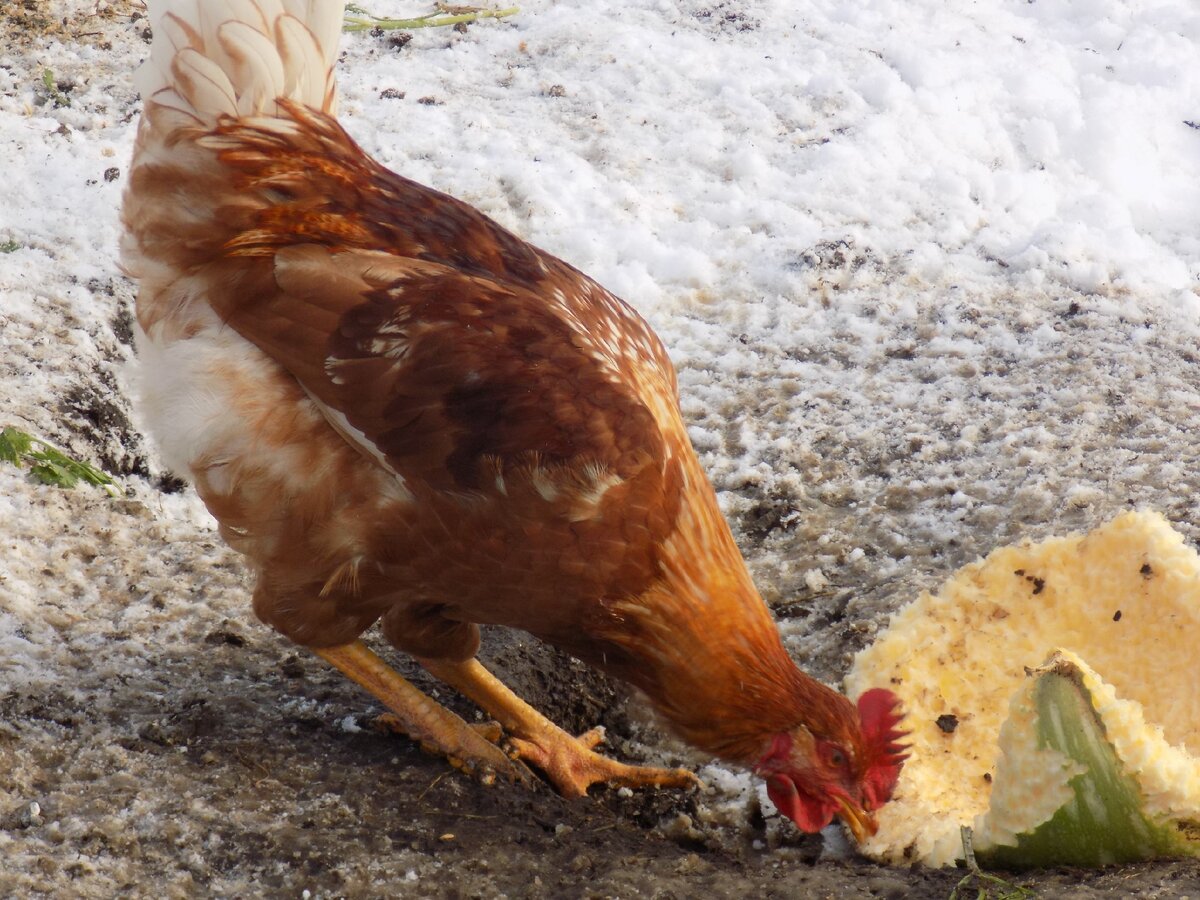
{"x": 285, "y": 488}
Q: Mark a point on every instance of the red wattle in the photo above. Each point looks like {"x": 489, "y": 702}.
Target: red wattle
{"x": 808, "y": 814}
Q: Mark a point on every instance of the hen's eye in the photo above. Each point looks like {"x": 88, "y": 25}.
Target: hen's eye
{"x": 837, "y": 758}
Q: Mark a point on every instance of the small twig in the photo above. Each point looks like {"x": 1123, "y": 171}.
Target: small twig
{"x": 1006, "y": 889}
{"x": 432, "y": 785}
{"x": 253, "y": 765}
{"x": 358, "y": 19}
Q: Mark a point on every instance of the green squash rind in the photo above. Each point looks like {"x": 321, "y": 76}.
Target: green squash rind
{"x": 1103, "y": 823}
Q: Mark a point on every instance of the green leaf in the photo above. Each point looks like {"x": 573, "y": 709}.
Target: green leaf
{"x": 71, "y": 469}
{"x": 48, "y": 472}
{"x": 48, "y": 464}
{"x": 51, "y": 86}
{"x": 14, "y": 445}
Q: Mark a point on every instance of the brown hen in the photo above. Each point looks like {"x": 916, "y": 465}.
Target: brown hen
{"x": 402, "y": 413}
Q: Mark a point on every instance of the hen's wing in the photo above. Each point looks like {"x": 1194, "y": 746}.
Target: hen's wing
{"x": 445, "y": 378}
{"x": 438, "y": 342}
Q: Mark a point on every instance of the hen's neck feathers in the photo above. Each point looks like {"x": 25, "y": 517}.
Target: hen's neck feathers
{"x": 703, "y": 646}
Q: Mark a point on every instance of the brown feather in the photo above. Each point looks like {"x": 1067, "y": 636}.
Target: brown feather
{"x": 530, "y": 477}
{"x": 450, "y": 428}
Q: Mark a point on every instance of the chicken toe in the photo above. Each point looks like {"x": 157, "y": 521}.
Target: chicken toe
{"x": 572, "y": 766}
{"x": 570, "y": 763}
{"x": 434, "y": 727}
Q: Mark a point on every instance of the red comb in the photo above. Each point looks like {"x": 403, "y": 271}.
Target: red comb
{"x": 879, "y": 716}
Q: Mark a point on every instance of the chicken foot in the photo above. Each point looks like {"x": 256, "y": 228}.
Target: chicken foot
{"x": 570, "y": 763}
{"x": 423, "y": 719}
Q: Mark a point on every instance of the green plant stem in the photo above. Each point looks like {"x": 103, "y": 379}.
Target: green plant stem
{"x": 1006, "y": 890}
{"x": 364, "y": 21}
{"x": 51, "y": 85}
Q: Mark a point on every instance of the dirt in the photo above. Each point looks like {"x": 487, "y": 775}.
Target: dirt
{"x": 156, "y": 741}
{"x": 218, "y": 772}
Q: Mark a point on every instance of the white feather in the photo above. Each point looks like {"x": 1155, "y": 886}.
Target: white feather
{"x": 257, "y": 67}
{"x": 241, "y": 55}
{"x": 203, "y": 84}
{"x": 305, "y": 70}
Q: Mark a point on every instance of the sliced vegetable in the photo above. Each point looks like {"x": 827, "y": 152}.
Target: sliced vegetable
{"x": 1067, "y": 669}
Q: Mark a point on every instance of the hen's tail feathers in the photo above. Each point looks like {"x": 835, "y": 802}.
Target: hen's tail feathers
{"x": 212, "y": 58}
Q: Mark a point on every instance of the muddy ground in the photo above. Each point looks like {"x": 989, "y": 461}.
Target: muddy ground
{"x": 189, "y": 754}
{"x": 193, "y": 754}
{"x": 156, "y": 741}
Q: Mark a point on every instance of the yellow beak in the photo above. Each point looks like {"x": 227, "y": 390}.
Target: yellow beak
{"x": 860, "y": 822}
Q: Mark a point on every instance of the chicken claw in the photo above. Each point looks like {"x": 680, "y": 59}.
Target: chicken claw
{"x": 570, "y": 763}
{"x": 435, "y": 728}
{"x": 572, "y": 766}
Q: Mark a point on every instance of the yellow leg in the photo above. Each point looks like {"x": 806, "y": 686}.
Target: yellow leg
{"x": 421, "y": 718}
{"x": 569, "y": 762}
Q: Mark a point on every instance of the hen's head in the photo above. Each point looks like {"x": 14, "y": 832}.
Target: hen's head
{"x": 848, "y": 771}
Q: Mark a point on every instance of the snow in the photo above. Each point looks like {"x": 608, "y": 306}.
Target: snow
{"x": 930, "y": 272}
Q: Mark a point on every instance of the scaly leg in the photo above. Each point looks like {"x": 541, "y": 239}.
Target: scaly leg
{"x": 421, "y": 718}
{"x": 569, "y": 762}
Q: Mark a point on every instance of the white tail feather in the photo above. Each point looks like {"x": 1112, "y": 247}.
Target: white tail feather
{"x": 237, "y": 57}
